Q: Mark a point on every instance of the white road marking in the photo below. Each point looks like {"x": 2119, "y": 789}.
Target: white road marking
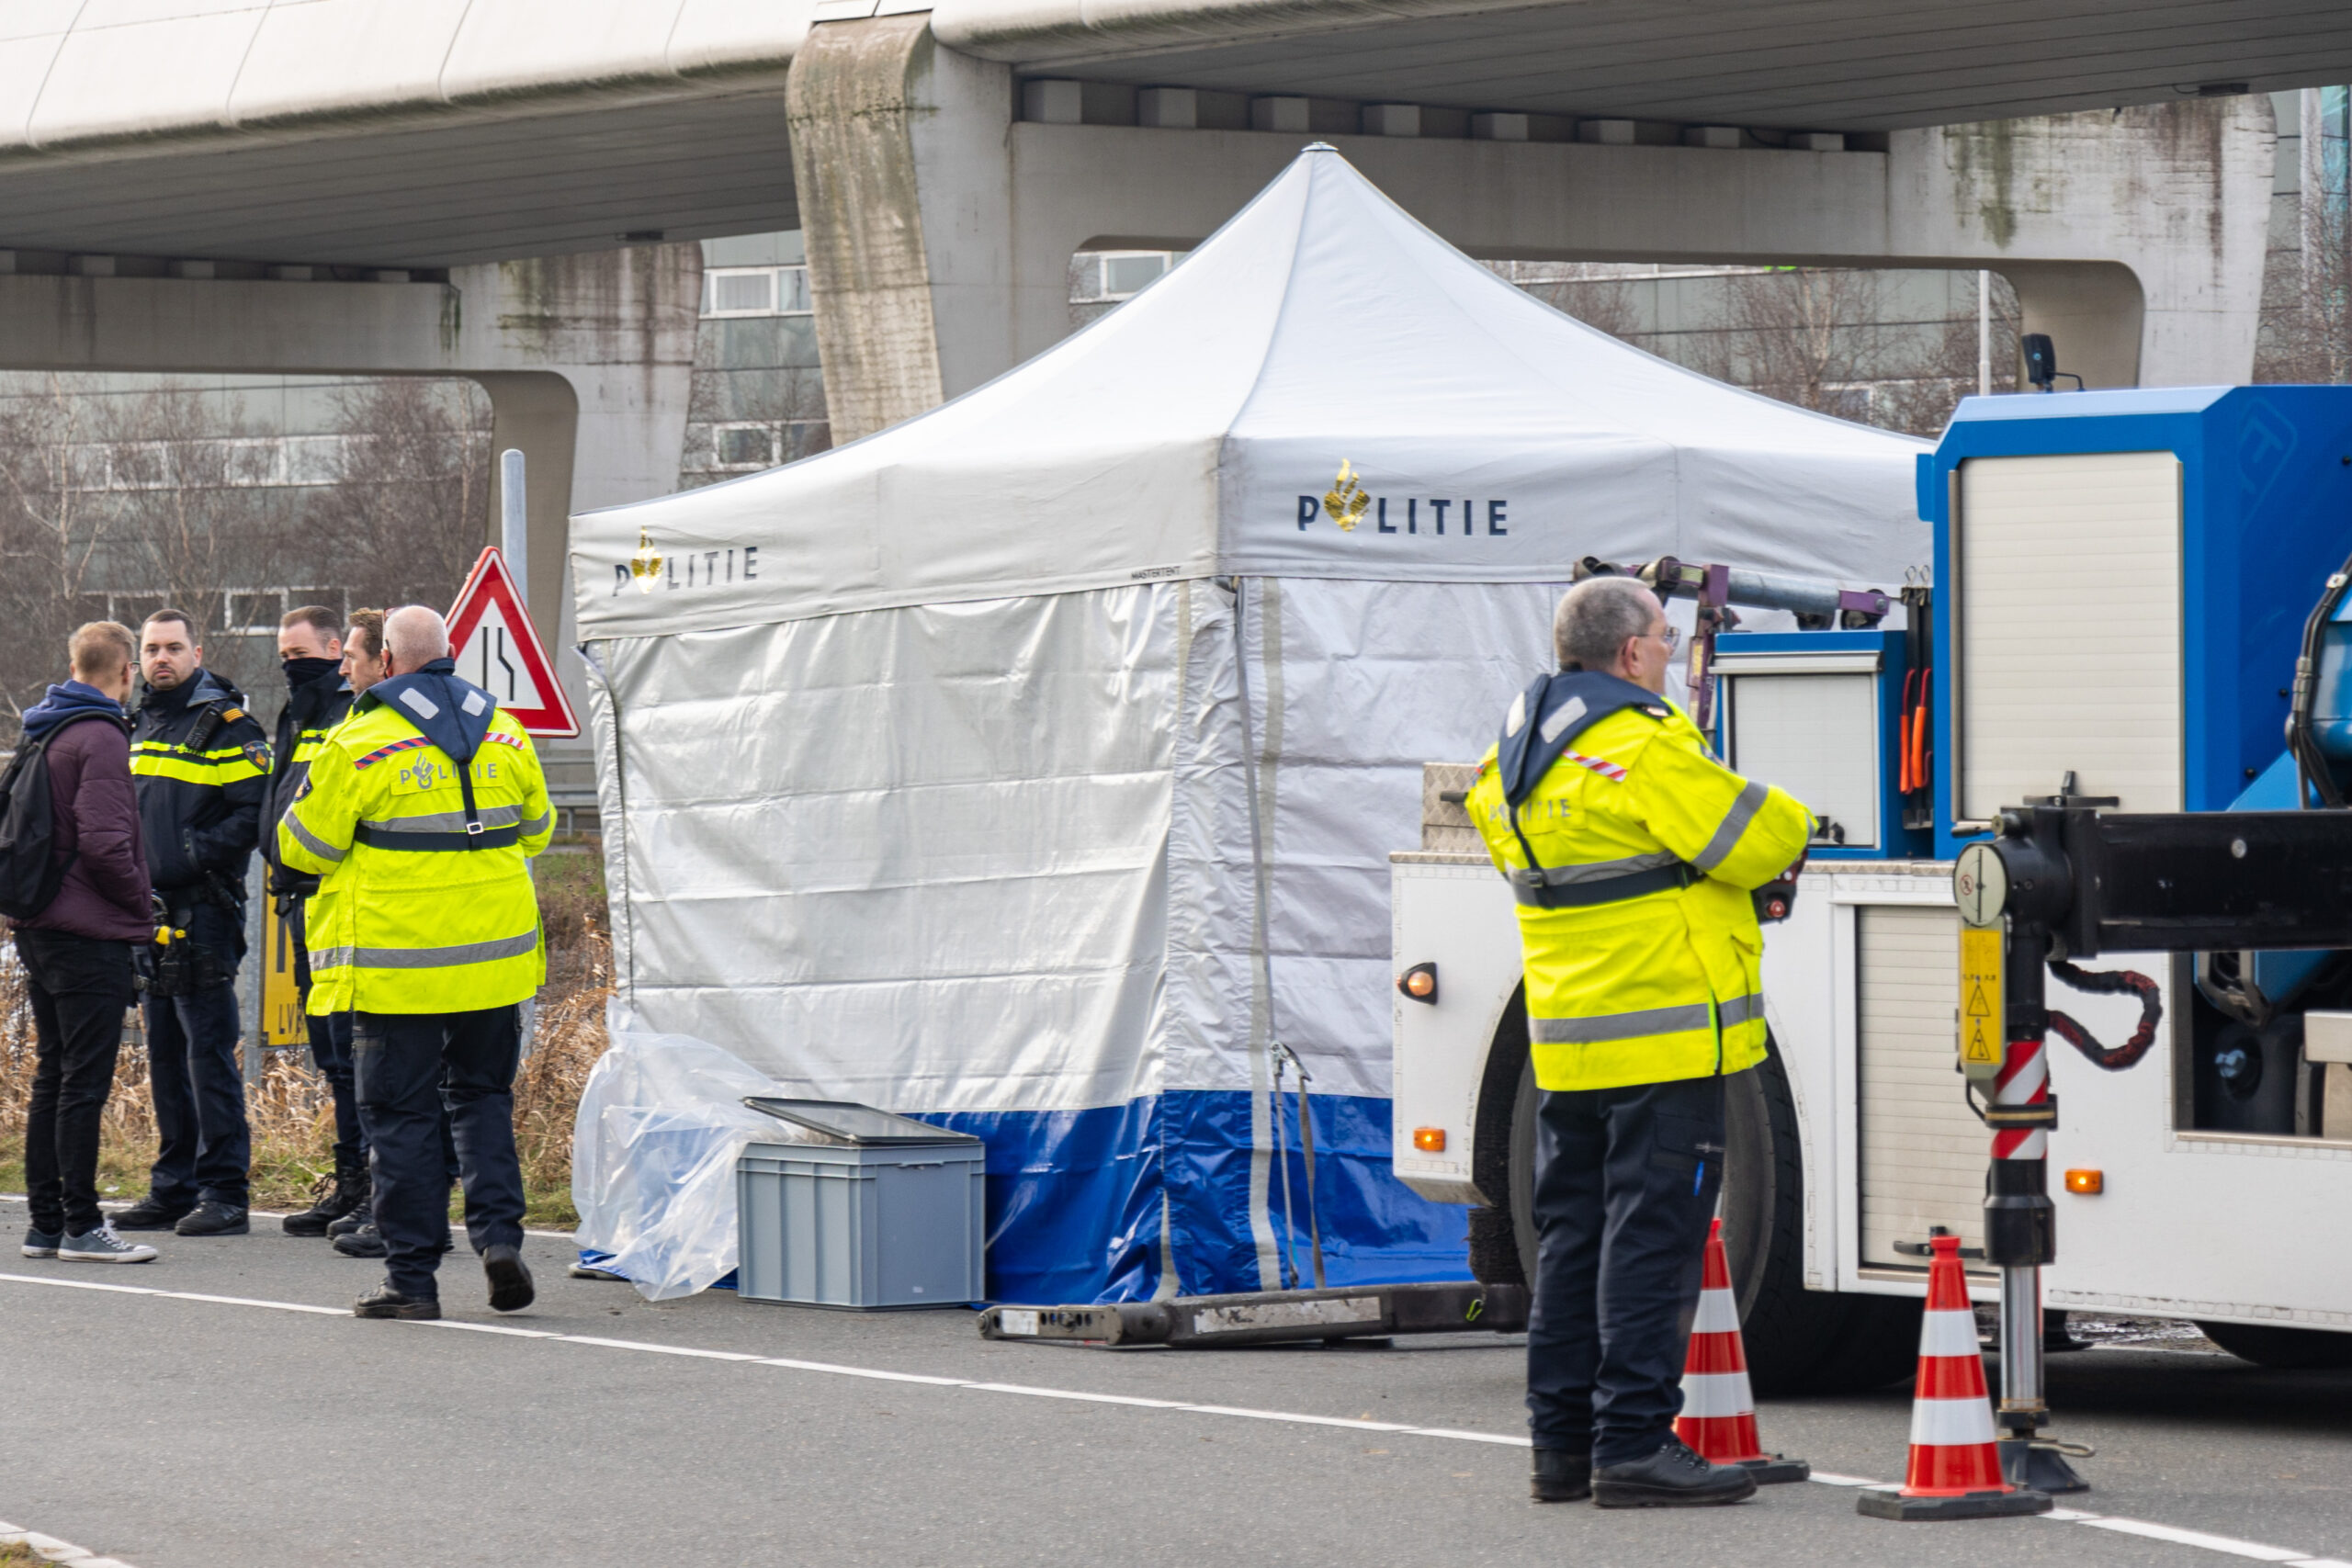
{"x": 2198, "y": 1539}
{"x": 2225, "y": 1545}
{"x": 257, "y": 1214}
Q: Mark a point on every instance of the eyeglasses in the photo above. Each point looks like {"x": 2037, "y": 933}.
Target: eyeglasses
{"x": 1672, "y": 636}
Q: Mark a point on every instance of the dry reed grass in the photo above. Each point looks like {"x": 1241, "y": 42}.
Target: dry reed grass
{"x": 290, "y": 1113}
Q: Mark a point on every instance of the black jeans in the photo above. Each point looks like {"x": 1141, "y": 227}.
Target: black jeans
{"x": 413, "y": 1068}
{"x": 80, "y": 987}
{"x": 197, "y": 1079}
{"x": 1625, "y": 1182}
{"x": 330, "y": 1053}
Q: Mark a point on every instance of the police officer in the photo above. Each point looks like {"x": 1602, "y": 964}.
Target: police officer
{"x": 318, "y": 697}
{"x": 1631, "y": 853}
{"x": 420, "y": 816}
{"x": 200, "y": 766}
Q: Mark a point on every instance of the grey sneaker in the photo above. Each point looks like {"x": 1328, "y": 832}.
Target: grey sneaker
{"x": 41, "y": 1243}
{"x": 102, "y": 1245}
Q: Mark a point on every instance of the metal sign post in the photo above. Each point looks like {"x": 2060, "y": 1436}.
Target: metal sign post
{"x": 513, "y": 519}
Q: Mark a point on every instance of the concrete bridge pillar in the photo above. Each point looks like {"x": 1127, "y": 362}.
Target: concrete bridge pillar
{"x": 940, "y": 226}
{"x": 901, "y": 161}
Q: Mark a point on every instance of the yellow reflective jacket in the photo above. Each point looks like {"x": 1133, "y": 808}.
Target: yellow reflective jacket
{"x": 1664, "y": 986}
{"x": 415, "y": 913}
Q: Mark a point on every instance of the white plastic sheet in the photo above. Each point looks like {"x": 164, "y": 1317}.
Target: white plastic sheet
{"x": 654, "y": 1157}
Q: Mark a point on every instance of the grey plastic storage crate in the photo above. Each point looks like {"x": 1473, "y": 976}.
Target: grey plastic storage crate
{"x": 855, "y": 1207}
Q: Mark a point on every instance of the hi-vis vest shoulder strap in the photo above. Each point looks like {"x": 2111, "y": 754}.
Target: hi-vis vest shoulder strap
{"x": 474, "y": 829}
{"x": 1544, "y": 722}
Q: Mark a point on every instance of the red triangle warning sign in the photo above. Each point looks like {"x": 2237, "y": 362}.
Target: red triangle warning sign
{"x": 498, "y": 649}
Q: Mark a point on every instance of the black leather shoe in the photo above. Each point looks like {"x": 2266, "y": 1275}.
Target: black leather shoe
{"x": 510, "y": 1283}
{"x": 359, "y": 1218}
{"x": 1561, "y": 1476}
{"x": 386, "y": 1302}
{"x": 1673, "y": 1477}
{"x": 212, "y": 1217}
{"x": 150, "y": 1213}
{"x": 368, "y": 1242}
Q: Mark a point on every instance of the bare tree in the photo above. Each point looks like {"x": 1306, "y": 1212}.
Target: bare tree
{"x": 1805, "y": 336}
{"x": 50, "y": 537}
{"x": 199, "y": 518}
{"x": 1926, "y": 378}
{"x": 407, "y": 511}
{"x": 2306, "y": 333}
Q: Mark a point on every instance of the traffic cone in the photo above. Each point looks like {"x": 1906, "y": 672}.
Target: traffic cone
{"x": 1718, "y": 1417}
{"x": 1955, "y": 1469}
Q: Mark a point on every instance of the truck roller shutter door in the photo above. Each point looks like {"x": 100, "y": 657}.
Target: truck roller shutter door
{"x": 2068, "y": 633}
{"x": 1922, "y": 1152}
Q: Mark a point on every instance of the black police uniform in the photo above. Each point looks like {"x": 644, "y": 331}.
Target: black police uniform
{"x": 201, "y": 765}
{"x": 317, "y": 699}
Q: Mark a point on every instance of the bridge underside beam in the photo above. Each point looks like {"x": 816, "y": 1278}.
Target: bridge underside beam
{"x": 940, "y": 228}
{"x": 587, "y": 360}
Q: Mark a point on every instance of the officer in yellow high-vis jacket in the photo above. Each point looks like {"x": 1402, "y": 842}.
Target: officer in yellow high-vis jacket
{"x": 1632, "y": 852}
{"x": 419, "y": 816}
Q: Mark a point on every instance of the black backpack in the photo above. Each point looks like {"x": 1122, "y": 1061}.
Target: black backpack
{"x": 31, "y": 873}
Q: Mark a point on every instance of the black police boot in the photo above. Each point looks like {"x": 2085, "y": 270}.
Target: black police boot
{"x": 386, "y": 1302}
{"x": 213, "y": 1217}
{"x": 359, "y": 1218}
{"x": 348, "y": 1195}
{"x": 1561, "y": 1476}
{"x": 150, "y": 1213}
{"x": 368, "y": 1242}
{"x": 1673, "y": 1477}
{"x": 510, "y": 1281}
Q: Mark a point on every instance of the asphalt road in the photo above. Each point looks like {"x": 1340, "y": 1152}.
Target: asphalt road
{"x": 174, "y": 1433}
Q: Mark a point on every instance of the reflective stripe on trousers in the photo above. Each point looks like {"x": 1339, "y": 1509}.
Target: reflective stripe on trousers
{"x": 1598, "y": 1029}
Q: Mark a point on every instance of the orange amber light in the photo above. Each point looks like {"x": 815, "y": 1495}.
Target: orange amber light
{"x": 1420, "y": 983}
{"x": 2086, "y": 1181}
{"x": 1430, "y": 1140}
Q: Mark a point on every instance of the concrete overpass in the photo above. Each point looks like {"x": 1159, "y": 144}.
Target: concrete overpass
{"x": 394, "y": 185}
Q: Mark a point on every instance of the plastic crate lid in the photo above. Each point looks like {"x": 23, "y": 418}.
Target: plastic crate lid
{"x": 853, "y": 1125}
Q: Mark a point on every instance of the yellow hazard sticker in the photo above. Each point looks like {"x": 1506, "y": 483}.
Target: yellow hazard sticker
{"x": 1980, "y": 999}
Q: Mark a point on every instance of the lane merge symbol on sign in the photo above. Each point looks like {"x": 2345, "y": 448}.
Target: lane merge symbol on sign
{"x": 498, "y": 649}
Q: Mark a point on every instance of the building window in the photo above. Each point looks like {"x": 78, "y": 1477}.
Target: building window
{"x": 1106, "y": 276}
{"x": 744, "y": 446}
{"x": 755, "y": 291}
{"x": 257, "y": 612}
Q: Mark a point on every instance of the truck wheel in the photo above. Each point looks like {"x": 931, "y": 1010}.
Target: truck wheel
{"x": 2275, "y": 1345}
{"x": 1798, "y": 1341}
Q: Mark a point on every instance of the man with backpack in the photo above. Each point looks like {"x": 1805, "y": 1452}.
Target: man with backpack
{"x": 201, "y": 764}
{"x": 73, "y": 882}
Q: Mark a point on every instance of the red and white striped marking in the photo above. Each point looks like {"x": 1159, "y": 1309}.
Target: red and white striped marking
{"x": 1718, "y": 1416}
{"x": 2024, "y": 1079}
{"x": 1952, "y": 1415}
{"x": 1608, "y": 771}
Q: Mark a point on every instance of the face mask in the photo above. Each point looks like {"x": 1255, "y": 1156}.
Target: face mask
{"x": 302, "y": 671}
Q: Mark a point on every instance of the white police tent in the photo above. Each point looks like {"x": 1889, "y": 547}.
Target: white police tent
{"x": 1031, "y": 766}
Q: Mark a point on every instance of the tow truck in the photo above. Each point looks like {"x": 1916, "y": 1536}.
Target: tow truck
{"x": 2127, "y": 685}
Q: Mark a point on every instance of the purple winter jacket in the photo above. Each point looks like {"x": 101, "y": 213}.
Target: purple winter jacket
{"x": 104, "y": 893}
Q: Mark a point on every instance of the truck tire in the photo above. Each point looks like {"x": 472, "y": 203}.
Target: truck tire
{"x": 1798, "y": 1340}
{"x": 2277, "y": 1345}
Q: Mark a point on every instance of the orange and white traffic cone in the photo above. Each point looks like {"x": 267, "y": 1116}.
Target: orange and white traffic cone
{"x": 1718, "y": 1417}
{"x": 1955, "y": 1471}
